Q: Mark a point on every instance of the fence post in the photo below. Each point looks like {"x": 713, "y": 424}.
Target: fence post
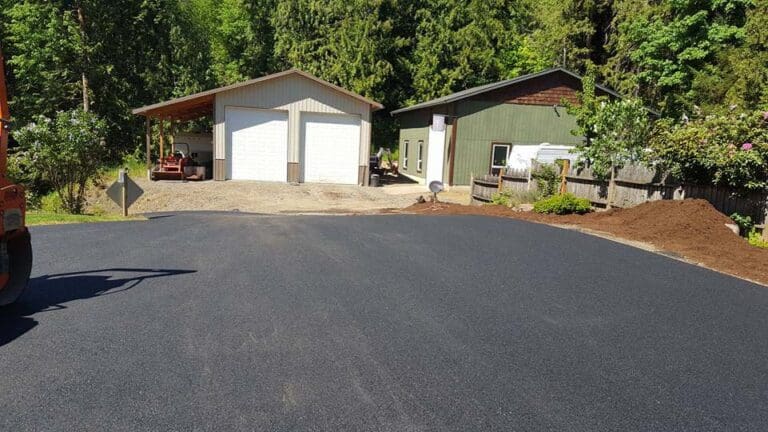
{"x": 501, "y": 182}
{"x": 564, "y": 175}
{"x": 530, "y": 170}
{"x": 611, "y": 188}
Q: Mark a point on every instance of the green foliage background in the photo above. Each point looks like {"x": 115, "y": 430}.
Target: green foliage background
{"x": 676, "y": 56}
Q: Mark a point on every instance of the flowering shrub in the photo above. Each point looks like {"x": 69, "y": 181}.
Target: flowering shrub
{"x": 66, "y": 151}
{"x": 726, "y": 150}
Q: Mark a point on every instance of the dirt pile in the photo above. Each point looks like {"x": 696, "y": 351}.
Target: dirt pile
{"x": 690, "y": 228}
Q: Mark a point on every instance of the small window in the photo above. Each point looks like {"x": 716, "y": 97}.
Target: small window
{"x": 420, "y": 159}
{"x": 499, "y": 156}
{"x": 405, "y": 155}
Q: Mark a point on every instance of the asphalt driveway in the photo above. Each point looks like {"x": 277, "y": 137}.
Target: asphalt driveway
{"x": 376, "y": 323}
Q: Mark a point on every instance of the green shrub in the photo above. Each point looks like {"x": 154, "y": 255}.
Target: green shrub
{"x": 66, "y": 151}
{"x": 562, "y": 204}
{"x": 756, "y": 240}
{"x": 51, "y": 203}
{"x": 501, "y": 198}
{"x": 509, "y": 198}
{"x": 547, "y": 179}
{"x": 395, "y": 155}
{"x": 744, "y": 222}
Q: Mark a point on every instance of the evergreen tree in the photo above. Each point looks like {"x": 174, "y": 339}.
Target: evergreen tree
{"x": 349, "y": 43}
{"x": 570, "y": 33}
{"x": 461, "y": 44}
{"x": 740, "y": 75}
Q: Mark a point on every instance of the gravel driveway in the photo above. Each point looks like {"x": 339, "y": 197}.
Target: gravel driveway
{"x": 235, "y": 322}
{"x": 268, "y": 198}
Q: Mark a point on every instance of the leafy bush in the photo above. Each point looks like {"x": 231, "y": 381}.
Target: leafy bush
{"x": 617, "y": 133}
{"x": 20, "y": 172}
{"x": 547, "y": 179}
{"x": 395, "y": 155}
{"x": 744, "y": 222}
{"x": 66, "y": 151}
{"x": 562, "y": 204}
{"x": 756, "y": 240}
{"x": 725, "y": 150}
{"x": 501, "y": 198}
{"x": 509, "y": 198}
{"x": 51, "y": 203}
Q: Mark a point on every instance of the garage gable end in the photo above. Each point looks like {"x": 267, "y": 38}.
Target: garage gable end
{"x": 300, "y": 97}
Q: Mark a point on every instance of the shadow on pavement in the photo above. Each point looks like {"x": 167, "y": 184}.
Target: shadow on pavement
{"x": 51, "y": 292}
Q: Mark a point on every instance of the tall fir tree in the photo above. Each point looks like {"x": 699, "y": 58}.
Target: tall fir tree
{"x": 461, "y": 44}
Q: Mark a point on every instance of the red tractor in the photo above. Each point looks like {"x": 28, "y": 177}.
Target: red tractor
{"x": 15, "y": 244}
{"x": 179, "y": 165}
{"x": 171, "y": 167}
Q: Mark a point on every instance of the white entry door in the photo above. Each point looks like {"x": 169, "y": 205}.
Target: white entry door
{"x": 330, "y": 148}
{"x": 257, "y": 144}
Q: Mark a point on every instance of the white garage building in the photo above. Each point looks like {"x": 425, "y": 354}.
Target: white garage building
{"x": 286, "y": 127}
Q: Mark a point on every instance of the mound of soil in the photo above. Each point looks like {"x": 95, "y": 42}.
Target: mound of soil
{"x": 690, "y": 228}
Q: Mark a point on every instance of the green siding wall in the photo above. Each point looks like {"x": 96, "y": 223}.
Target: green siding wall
{"x": 483, "y": 123}
{"x": 414, "y": 127}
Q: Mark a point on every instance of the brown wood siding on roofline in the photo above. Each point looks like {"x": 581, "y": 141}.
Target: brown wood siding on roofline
{"x": 549, "y": 97}
{"x": 547, "y": 90}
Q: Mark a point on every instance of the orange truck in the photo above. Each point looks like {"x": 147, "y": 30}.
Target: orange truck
{"x": 15, "y": 244}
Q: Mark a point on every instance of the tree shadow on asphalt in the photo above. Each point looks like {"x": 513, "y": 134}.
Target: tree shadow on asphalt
{"x": 51, "y": 292}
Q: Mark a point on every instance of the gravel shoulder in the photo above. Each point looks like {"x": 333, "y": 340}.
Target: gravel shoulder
{"x": 269, "y": 198}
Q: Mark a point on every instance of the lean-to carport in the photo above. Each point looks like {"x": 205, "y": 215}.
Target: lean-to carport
{"x": 177, "y": 110}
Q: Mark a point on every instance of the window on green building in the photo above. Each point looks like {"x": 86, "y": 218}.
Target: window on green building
{"x": 420, "y": 158}
{"x": 405, "y": 155}
{"x": 499, "y": 156}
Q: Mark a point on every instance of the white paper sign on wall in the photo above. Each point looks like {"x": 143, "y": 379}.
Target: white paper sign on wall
{"x": 438, "y": 122}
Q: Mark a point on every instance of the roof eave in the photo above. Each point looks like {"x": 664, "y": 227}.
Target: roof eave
{"x": 213, "y": 92}
{"x": 495, "y": 86}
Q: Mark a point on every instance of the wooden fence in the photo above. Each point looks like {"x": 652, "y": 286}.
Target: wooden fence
{"x": 633, "y": 185}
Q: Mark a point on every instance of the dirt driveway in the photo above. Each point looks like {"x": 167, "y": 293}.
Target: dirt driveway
{"x": 270, "y": 198}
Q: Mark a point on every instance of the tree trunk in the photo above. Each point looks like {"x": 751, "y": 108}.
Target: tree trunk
{"x": 81, "y": 23}
{"x": 86, "y": 99}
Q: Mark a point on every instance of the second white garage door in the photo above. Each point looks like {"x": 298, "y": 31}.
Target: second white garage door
{"x": 257, "y": 144}
{"x": 330, "y": 148}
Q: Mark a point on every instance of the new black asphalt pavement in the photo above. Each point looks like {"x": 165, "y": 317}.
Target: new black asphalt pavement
{"x": 227, "y": 322}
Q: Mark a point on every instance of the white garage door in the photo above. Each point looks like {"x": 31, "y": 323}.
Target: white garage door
{"x": 330, "y": 148}
{"x": 258, "y": 144}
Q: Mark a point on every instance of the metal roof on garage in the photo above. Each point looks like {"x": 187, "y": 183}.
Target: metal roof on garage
{"x": 201, "y": 104}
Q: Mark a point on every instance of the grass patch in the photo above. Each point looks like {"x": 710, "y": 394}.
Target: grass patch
{"x": 756, "y": 239}
{"x": 36, "y": 217}
{"x": 137, "y": 169}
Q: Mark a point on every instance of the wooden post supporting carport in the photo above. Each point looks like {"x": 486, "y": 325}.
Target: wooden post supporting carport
{"x": 149, "y": 147}
{"x": 162, "y": 138}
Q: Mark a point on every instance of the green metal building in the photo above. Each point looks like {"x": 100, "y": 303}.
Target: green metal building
{"x": 472, "y": 132}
